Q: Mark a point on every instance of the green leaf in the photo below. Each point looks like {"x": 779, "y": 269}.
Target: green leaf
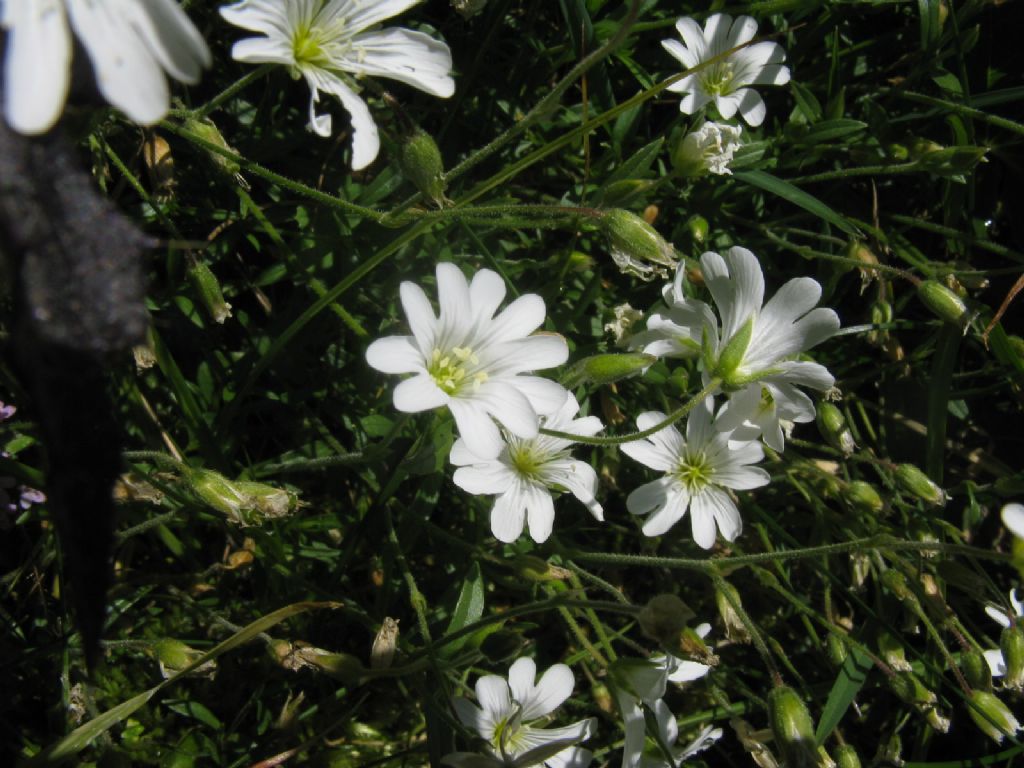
{"x": 806, "y": 101}
{"x": 82, "y": 736}
{"x": 637, "y": 164}
{"x": 196, "y": 711}
{"x": 828, "y": 130}
{"x": 797, "y": 196}
{"x": 851, "y": 678}
{"x": 469, "y": 608}
{"x": 930, "y": 27}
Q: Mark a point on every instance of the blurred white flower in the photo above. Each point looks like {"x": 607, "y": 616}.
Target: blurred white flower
{"x": 1000, "y": 615}
{"x": 467, "y": 359}
{"x": 1013, "y": 519}
{"x": 330, "y": 43}
{"x": 503, "y": 714}
{"x": 698, "y": 471}
{"x": 131, "y": 44}
{"x": 527, "y": 470}
{"x": 726, "y": 81}
{"x": 708, "y": 149}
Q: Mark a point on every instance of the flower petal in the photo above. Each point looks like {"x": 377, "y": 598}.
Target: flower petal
{"x": 420, "y": 315}
{"x": 170, "y": 37}
{"x": 476, "y": 428}
{"x": 519, "y": 319}
{"x": 508, "y": 516}
{"x": 490, "y": 478}
{"x": 420, "y": 393}
{"x": 365, "y": 137}
{"x": 36, "y": 64}
{"x": 553, "y": 688}
{"x": 493, "y": 695}
{"x": 1013, "y": 518}
{"x": 410, "y": 57}
{"x": 395, "y": 354}
{"x": 540, "y": 511}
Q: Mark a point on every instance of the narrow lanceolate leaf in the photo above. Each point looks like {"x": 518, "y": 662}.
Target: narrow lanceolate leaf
{"x": 851, "y": 678}
{"x": 797, "y": 197}
{"x": 469, "y": 608}
{"x": 82, "y": 736}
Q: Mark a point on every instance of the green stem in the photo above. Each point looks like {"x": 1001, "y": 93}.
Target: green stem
{"x": 146, "y": 525}
{"x": 416, "y": 598}
{"x": 963, "y": 109}
{"x": 669, "y": 420}
{"x": 860, "y": 170}
{"x": 231, "y": 90}
{"x": 156, "y": 457}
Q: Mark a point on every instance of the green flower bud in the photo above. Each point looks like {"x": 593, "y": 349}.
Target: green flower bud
{"x": 726, "y": 596}
{"x": 732, "y": 356}
{"x": 864, "y": 497}
{"x": 218, "y": 492}
{"x": 976, "y": 670}
{"x": 267, "y": 502}
{"x": 952, "y": 161}
{"x": 892, "y": 651}
{"x": 911, "y": 690}
{"x": 896, "y": 583}
{"x": 942, "y": 301}
{"x": 605, "y": 369}
{"x": 1011, "y": 643}
{"x": 846, "y": 756}
{"x": 422, "y": 164}
{"x": 881, "y": 315}
{"x": 792, "y": 727}
{"x": 992, "y": 716}
{"x": 836, "y": 649}
{"x": 207, "y": 130}
{"x": 173, "y": 656}
{"x": 533, "y": 568}
{"x": 916, "y": 483}
{"x": 833, "y": 427}
{"x": 697, "y": 226}
{"x": 635, "y": 242}
{"x": 208, "y": 288}
{"x": 664, "y": 618}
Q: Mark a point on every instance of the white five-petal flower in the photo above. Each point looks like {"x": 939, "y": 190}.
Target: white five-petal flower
{"x": 725, "y": 82}
{"x": 1001, "y": 617}
{"x": 131, "y": 44}
{"x": 698, "y": 471}
{"x": 331, "y": 42}
{"x": 527, "y": 470}
{"x": 503, "y": 714}
{"x": 467, "y": 359}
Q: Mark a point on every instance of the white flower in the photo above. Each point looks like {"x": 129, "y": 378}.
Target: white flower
{"x": 1013, "y": 519}
{"x": 765, "y": 409}
{"x": 330, "y": 43}
{"x": 1001, "y": 617}
{"x": 131, "y": 44}
{"x": 710, "y": 148}
{"x": 725, "y": 81}
{"x": 467, "y": 359}
{"x": 678, "y": 330}
{"x": 698, "y": 470}
{"x": 668, "y": 733}
{"x": 525, "y": 473}
{"x": 505, "y": 712}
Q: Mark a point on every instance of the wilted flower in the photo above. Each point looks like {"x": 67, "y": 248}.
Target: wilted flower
{"x": 505, "y": 710}
{"x": 725, "y": 82}
{"x": 330, "y": 43}
{"x": 527, "y": 470}
{"x": 467, "y": 359}
{"x": 709, "y": 149}
{"x": 698, "y": 471}
{"x": 131, "y": 43}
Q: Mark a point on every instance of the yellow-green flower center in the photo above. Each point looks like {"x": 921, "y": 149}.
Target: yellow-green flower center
{"x": 526, "y": 459}
{"x": 307, "y": 48}
{"x": 456, "y": 369}
{"x": 694, "y": 472}
{"x": 717, "y": 79}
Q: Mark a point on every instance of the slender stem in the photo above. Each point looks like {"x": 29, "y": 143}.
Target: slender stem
{"x": 265, "y": 173}
{"x": 157, "y": 458}
{"x": 963, "y": 109}
{"x": 672, "y": 418}
{"x": 416, "y": 598}
{"x": 542, "y": 107}
{"x": 860, "y": 170}
{"x": 146, "y": 525}
{"x": 239, "y": 85}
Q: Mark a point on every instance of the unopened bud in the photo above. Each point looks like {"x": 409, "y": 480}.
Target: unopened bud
{"x": 697, "y": 226}
{"x": 173, "y": 656}
{"x": 664, "y": 618}
{"x": 422, "y": 164}
{"x": 864, "y": 497}
{"x": 992, "y": 716}
{"x": 218, "y": 492}
{"x": 792, "y": 727}
{"x": 608, "y": 368}
{"x": 942, "y": 301}
{"x": 726, "y": 596}
{"x": 384, "y": 644}
{"x": 911, "y": 690}
{"x": 881, "y": 318}
{"x": 892, "y": 651}
{"x": 858, "y": 251}
{"x": 208, "y": 131}
{"x": 835, "y": 430}
{"x": 1011, "y": 643}
{"x": 731, "y": 358}
{"x": 976, "y": 670}
{"x": 916, "y": 483}
{"x": 836, "y": 649}
{"x": 602, "y": 697}
{"x": 633, "y": 240}
{"x": 952, "y": 161}
{"x": 533, "y": 568}
{"x": 896, "y": 583}
{"x": 208, "y": 288}
{"x": 846, "y": 756}
{"x": 267, "y": 502}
